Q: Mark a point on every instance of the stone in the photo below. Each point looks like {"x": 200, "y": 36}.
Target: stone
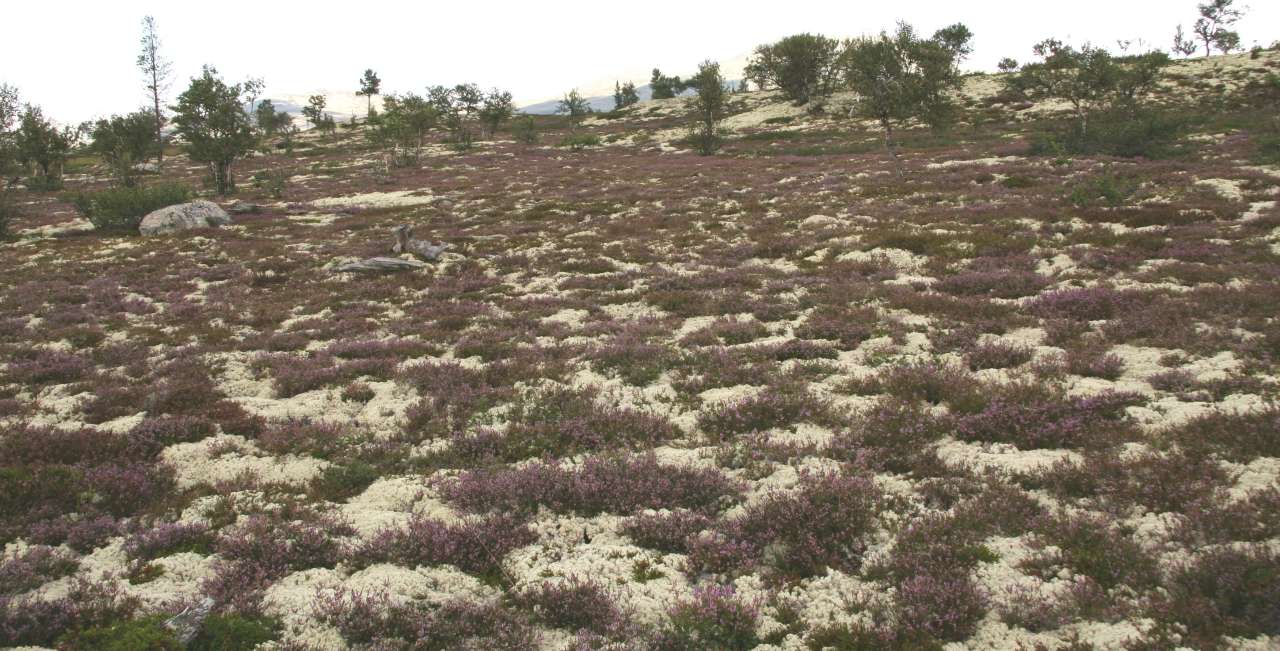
{"x": 185, "y": 216}
{"x": 186, "y": 624}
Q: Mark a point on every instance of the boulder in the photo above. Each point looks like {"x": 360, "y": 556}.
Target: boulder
{"x": 184, "y": 216}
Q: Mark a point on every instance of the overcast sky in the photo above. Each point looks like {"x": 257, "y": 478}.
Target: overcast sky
{"x": 76, "y": 58}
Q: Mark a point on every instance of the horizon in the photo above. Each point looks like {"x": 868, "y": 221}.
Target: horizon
{"x": 574, "y": 49}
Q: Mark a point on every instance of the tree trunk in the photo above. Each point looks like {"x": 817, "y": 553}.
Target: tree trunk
{"x": 892, "y": 147}
{"x": 222, "y": 177}
{"x": 155, "y": 95}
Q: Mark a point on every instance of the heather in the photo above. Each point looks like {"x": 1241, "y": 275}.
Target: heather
{"x": 805, "y": 393}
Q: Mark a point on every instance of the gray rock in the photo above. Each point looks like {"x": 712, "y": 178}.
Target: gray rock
{"x": 185, "y": 216}
{"x": 186, "y": 624}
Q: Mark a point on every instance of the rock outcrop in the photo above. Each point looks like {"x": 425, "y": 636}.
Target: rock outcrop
{"x": 185, "y": 216}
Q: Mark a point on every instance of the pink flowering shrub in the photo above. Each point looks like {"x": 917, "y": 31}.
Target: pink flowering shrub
{"x": 1031, "y": 418}
{"x": 997, "y": 354}
{"x": 994, "y": 283}
{"x": 563, "y": 422}
{"x": 26, "y": 621}
{"x": 377, "y": 621}
{"x": 33, "y": 567}
{"x": 600, "y": 484}
{"x": 824, "y": 522}
{"x": 893, "y": 434}
{"x": 773, "y": 407}
{"x": 476, "y": 546}
{"x": 264, "y": 549}
{"x": 713, "y": 618}
{"x": 1229, "y": 591}
{"x": 1091, "y": 304}
{"x": 573, "y": 603}
{"x": 667, "y": 531}
{"x": 169, "y": 538}
{"x": 1239, "y": 437}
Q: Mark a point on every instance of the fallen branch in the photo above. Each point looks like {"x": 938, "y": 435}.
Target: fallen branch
{"x": 379, "y": 265}
{"x": 417, "y": 248}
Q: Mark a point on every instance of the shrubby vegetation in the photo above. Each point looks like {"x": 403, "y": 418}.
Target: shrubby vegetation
{"x": 665, "y": 87}
{"x": 211, "y": 118}
{"x": 902, "y": 77}
{"x": 124, "y": 143}
{"x": 708, "y": 107}
{"x": 802, "y": 66}
{"x": 122, "y": 208}
{"x": 42, "y": 148}
{"x": 1107, "y": 96}
{"x": 624, "y": 95}
{"x": 496, "y": 108}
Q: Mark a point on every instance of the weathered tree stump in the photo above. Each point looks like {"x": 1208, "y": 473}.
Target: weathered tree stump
{"x": 417, "y": 248}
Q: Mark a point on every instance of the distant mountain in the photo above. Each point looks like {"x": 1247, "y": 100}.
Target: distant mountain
{"x": 598, "y": 103}
{"x": 339, "y": 104}
{"x": 599, "y": 93}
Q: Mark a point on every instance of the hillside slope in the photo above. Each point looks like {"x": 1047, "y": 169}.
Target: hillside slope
{"x": 780, "y": 398}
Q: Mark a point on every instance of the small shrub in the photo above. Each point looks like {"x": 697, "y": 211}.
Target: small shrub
{"x": 1239, "y": 437}
{"x": 774, "y": 407}
{"x": 944, "y": 606}
{"x": 668, "y": 531}
{"x": 476, "y": 546}
{"x": 40, "y": 366}
{"x": 934, "y": 382}
{"x": 1229, "y": 591}
{"x": 233, "y": 633}
{"x": 148, "y": 633}
{"x": 341, "y": 481}
{"x": 1032, "y": 418}
{"x": 304, "y": 436}
{"x": 893, "y": 434}
{"x": 579, "y": 141}
{"x": 87, "y": 605}
{"x": 713, "y": 618}
{"x": 994, "y": 284}
{"x": 33, "y": 567}
{"x": 562, "y": 422}
{"x": 263, "y": 549}
{"x": 169, "y": 538}
{"x": 574, "y": 604}
{"x": 636, "y": 362}
{"x": 824, "y": 522}
{"x": 1106, "y": 189}
{"x": 1130, "y": 134}
{"x": 122, "y": 209}
{"x": 600, "y": 484}
{"x": 377, "y": 621}
{"x": 997, "y": 354}
{"x": 1093, "y": 360}
{"x": 849, "y": 326}
{"x": 1092, "y": 546}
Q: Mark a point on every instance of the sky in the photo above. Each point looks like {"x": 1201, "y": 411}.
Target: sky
{"x": 77, "y": 58}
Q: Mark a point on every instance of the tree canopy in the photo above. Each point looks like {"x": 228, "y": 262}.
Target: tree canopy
{"x": 210, "y": 116}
